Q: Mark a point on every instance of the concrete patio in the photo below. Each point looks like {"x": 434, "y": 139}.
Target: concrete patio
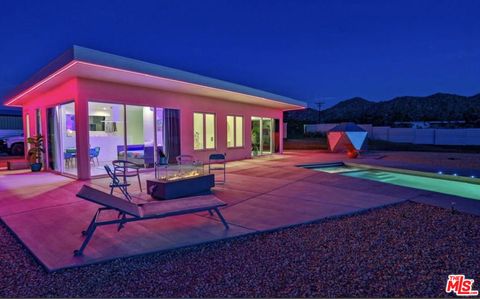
{"x": 262, "y": 194}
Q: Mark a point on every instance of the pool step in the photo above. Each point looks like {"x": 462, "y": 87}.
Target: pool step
{"x": 381, "y": 177}
{"x": 321, "y": 165}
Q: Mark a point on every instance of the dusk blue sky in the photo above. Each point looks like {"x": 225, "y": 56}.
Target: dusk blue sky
{"x": 309, "y": 50}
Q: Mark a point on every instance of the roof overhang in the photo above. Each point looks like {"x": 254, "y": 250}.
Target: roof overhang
{"x": 91, "y": 64}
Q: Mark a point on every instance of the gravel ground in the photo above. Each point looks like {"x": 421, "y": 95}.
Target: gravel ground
{"x": 435, "y": 160}
{"x": 403, "y": 250}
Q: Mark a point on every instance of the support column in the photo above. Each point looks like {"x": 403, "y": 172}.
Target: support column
{"x": 82, "y": 137}
{"x": 26, "y": 130}
{"x": 281, "y": 130}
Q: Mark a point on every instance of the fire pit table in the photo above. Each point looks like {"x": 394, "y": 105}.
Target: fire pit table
{"x": 180, "y": 181}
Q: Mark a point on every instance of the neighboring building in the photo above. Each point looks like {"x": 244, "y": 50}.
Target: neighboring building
{"x": 91, "y": 103}
{"x": 10, "y": 122}
{"x": 11, "y": 132}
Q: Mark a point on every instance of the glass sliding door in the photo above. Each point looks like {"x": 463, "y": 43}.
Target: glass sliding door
{"x": 276, "y": 135}
{"x": 140, "y": 135}
{"x": 124, "y": 132}
{"x": 266, "y": 135}
{"x": 61, "y": 139}
{"x": 106, "y": 135}
{"x": 68, "y": 139}
{"x": 256, "y": 123}
{"x": 261, "y": 136}
{"x": 53, "y": 142}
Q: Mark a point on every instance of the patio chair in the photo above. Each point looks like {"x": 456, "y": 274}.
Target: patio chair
{"x": 94, "y": 152}
{"x": 162, "y": 161}
{"x": 218, "y": 162}
{"x": 125, "y": 169}
{"x": 185, "y": 160}
{"x": 68, "y": 157}
{"x": 131, "y": 212}
{"x": 116, "y": 184}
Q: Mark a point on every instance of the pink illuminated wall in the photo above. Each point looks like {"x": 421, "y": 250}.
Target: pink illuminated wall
{"x": 83, "y": 90}
{"x": 63, "y": 93}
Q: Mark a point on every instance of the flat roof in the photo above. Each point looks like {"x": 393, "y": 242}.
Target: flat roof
{"x": 87, "y": 63}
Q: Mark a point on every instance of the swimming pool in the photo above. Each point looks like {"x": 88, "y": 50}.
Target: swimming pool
{"x": 412, "y": 179}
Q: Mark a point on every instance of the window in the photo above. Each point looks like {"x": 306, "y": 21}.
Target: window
{"x": 128, "y": 132}
{"x": 61, "y": 140}
{"x": 238, "y": 131}
{"x": 210, "y": 131}
{"x": 107, "y": 135}
{"x": 140, "y": 135}
{"x": 198, "y": 131}
{"x": 230, "y": 131}
{"x": 203, "y": 131}
{"x": 234, "y": 131}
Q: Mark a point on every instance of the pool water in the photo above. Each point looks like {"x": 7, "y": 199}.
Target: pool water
{"x": 451, "y": 187}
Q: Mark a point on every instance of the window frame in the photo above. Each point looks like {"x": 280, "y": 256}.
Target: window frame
{"x": 235, "y": 116}
{"x": 204, "y": 126}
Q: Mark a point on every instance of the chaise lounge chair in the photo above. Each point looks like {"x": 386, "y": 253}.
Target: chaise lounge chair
{"x": 130, "y": 212}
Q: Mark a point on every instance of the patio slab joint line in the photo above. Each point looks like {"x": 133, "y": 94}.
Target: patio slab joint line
{"x": 266, "y": 193}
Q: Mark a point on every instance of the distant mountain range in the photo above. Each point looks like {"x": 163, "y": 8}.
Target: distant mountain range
{"x": 436, "y": 107}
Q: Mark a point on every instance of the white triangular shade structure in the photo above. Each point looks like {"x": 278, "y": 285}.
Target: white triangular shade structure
{"x": 346, "y": 137}
{"x": 357, "y": 138}
{"x": 338, "y": 141}
{"x": 334, "y": 139}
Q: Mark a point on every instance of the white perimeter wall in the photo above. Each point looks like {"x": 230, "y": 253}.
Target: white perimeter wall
{"x": 412, "y": 135}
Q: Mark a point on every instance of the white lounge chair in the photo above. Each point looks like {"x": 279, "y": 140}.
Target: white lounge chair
{"x": 130, "y": 212}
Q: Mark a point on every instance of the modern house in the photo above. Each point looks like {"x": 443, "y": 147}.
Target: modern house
{"x": 94, "y": 107}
